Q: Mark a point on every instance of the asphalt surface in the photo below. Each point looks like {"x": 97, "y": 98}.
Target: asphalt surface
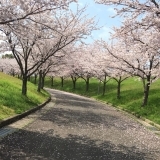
{"x": 78, "y": 128}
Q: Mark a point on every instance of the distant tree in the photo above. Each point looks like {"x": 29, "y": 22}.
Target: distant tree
{"x": 84, "y": 65}
{"x": 9, "y": 66}
{"x": 10, "y": 56}
{"x": 49, "y": 67}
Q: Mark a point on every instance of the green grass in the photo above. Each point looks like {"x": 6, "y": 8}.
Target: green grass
{"x": 131, "y": 95}
{"x": 12, "y": 102}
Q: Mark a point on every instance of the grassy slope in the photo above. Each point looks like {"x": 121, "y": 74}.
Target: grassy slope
{"x": 11, "y": 100}
{"x": 131, "y": 95}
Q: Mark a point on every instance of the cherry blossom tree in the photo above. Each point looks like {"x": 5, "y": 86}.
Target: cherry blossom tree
{"x": 137, "y": 39}
{"x": 139, "y": 55}
{"x": 26, "y": 49}
{"x": 57, "y": 69}
{"x": 15, "y": 13}
{"x": 48, "y": 68}
{"x": 9, "y": 66}
{"x": 16, "y": 10}
{"x": 101, "y": 60}
{"x": 58, "y": 64}
{"x": 145, "y": 13}
{"x": 83, "y": 64}
{"x": 106, "y": 67}
{"x": 118, "y": 74}
{"x": 72, "y": 62}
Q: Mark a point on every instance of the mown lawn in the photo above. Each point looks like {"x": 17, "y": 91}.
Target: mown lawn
{"x": 12, "y": 102}
{"x": 131, "y": 95}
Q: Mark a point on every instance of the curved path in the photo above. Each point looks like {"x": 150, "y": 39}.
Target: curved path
{"x": 78, "y": 128}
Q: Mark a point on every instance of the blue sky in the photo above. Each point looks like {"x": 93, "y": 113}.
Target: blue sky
{"x": 103, "y": 15}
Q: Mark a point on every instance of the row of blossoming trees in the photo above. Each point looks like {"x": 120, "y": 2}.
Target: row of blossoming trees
{"x": 35, "y": 31}
{"x": 136, "y": 43}
{"x": 44, "y": 42}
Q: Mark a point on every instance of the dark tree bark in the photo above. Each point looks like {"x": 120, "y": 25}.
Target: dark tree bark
{"x": 119, "y": 81}
{"x": 43, "y": 79}
{"x": 119, "y": 89}
{"x": 24, "y": 85}
{"x": 86, "y": 79}
{"x": 62, "y": 82}
{"x": 146, "y": 91}
{"x": 104, "y": 85}
{"x": 104, "y": 88}
{"x": 40, "y": 81}
{"x": 87, "y": 84}
{"x": 98, "y": 87}
{"x": 51, "y": 81}
{"x": 35, "y": 78}
{"x": 74, "y": 79}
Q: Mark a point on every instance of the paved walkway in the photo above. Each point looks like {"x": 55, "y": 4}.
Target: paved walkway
{"x": 78, "y": 128}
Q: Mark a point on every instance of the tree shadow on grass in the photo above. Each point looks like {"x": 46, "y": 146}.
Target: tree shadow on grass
{"x": 25, "y": 144}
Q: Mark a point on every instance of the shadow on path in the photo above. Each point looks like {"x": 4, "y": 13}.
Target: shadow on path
{"x": 65, "y": 98}
{"x": 48, "y": 146}
{"x": 76, "y": 128}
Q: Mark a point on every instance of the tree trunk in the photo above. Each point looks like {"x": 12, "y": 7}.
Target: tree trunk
{"x": 40, "y": 81}
{"x": 35, "y": 79}
{"x": 118, "y": 89}
{"x": 104, "y": 88}
{"x": 62, "y": 82}
{"x": 147, "y": 87}
{"x": 87, "y": 84}
{"x": 146, "y": 92}
{"x": 104, "y": 85}
{"x": 98, "y": 87}
{"x": 74, "y": 82}
{"x": 43, "y": 79}
{"x": 24, "y": 85}
{"x": 144, "y": 83}
{"x": 52, "y": 81}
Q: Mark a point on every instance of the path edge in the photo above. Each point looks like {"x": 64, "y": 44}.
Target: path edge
{"x": 15, "y": 118}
